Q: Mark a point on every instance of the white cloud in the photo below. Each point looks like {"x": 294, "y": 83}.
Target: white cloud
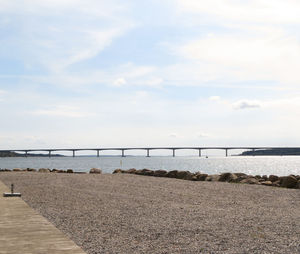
{"x": 62, "y": 111}
{"x": 264, "y": 11}
{"x": 260, "y": 57}
{"x": 214, "y": 98}
{"x": 246, "y": 104}
{"x": 58, "y": 34}
{"x": 120, "y": 82}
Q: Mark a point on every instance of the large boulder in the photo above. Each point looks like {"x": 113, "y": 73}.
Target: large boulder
{"x": 160, "y": 173}
{"x": 30, "y": 169}
{"x": 145, "y": 172}
{"x": 70, "y": 171}
{"x": 17, "y": 169}
{"x": 95, "y": 171}
{"x": 289, "y": 182}
{"x": 172, "y": 174}
{"x": 131, "y": 171}
{"x": 118, "y": 170}
{"x": 212, "y": 178}
{"x": 44, "y": 170}
{"x": 227, "y": 177}
{"x": 201, "y": 177}
{"x": 250, "y": 180}
{"x": 273, "y": 178}
{"x": 185, "y": 175}
{"x": 267, "y": 183}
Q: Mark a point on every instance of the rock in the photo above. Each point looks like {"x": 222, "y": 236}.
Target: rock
{"x": 227, "y": 177}
{"x": 298, "y": 184}
{"x": 276, "y": 183}
{"x": 61, "y": 171}
{"x": 31, "y": 169}
{"x": 212, "y": 178}
{"x": 201, "y": 177}
{"x": 95, "y": 171}
{"x": 185, "y": 175}
{"x": 145, "y": 172}
{"x": 273, "y": 178}
{"x": 289, "y": 182}
{"x": 160, "y": 173}
{"x": 70, "y": 171}
{"x": 131, "y": 171}
{"x": 258, "y": 177}
{"x": 172, "y": 174}
{"x": 267, "y": 183}
{"x": 54, "y": 170}
{"x": 17, "y": 169}
{"x": 250, "y": 180}
{"x": 265, "y": 177}
{"x": 118, "y": 171}
{"x": 44, "y": 170}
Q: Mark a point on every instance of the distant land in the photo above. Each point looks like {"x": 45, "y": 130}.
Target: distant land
{"x": 14, "y": 154}
{"x": 273, "y": 151}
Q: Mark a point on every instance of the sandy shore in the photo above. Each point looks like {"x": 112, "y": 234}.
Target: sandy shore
{"x": 124, "y": 213}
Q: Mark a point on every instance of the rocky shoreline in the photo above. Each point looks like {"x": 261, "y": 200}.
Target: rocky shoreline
{"x": 290, "y": 181}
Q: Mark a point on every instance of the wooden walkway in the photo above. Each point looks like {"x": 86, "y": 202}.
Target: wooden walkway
{"x": 24, "y": 231}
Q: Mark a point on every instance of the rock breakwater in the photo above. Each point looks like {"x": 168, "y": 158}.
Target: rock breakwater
{"x": 291, "y": 181}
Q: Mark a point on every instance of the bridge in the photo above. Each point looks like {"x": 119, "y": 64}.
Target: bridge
{"x": 147, "y": 149}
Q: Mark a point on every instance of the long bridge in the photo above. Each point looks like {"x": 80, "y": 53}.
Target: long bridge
{"x": 147, "y": 149}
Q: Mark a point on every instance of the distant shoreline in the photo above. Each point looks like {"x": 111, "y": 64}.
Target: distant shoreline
{"x": 272, "y": 152}
{"x": 14, "y": 154}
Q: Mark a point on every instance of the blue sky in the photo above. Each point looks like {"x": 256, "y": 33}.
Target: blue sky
{"x": 149, "y": 73}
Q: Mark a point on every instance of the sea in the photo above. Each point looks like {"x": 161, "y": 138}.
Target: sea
{"x": 254, "y": 165}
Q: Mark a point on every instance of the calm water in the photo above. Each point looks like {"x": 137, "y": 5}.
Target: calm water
{"x": 279, "y": 165}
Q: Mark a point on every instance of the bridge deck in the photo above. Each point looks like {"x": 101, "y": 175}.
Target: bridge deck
{"x": 22, "y": 230}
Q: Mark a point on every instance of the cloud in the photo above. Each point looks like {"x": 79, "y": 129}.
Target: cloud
{"x": 62, "y": 111}
{"x": 214, "y": 98}
{"x": 259, "y": 11}
{"x": 58, "y": 34}
{"x": 120, "y": 82}
{"x": 246, "y": 104}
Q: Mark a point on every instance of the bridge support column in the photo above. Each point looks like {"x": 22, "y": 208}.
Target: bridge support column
{"x": 49, "y": 154}
{"x": 173, "y": 152}
{"x": 73, "y": 153}
{"x": 148, "y": 152}
{"x": 199, "y": 152}
{"x": 226, "y": 152}
{"x": 123, "y": 153}
{"x": 97, "y": 153}
{"x": 26, "y": 154}
{"x": 253, "y": 150}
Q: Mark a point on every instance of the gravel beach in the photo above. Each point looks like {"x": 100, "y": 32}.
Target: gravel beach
{"x": 122, "y": 213}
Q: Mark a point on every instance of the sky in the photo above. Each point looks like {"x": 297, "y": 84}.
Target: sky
{"x": 120, "y": 73}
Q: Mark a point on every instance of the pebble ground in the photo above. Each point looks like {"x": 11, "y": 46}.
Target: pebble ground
{"x": 124, "y": 213}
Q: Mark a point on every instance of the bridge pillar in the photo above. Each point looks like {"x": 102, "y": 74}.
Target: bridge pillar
{"x": 226, "y": 152}
{"x": 26, "y": 153}
{"x": 173, "y": 152}
{"x": 148, "y": 152}
{"x": 253, "y": 150}
{"x": 97, "y": 153}
{"x": 73, "y": 153}
{"x": 123, "y": 153}
{"x": 49, "y": 154}
{"x": 199, "y": 152}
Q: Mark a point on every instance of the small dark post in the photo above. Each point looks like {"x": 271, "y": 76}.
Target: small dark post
{"x": 199, "y": 152}
{"x": 12, "y": 188}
